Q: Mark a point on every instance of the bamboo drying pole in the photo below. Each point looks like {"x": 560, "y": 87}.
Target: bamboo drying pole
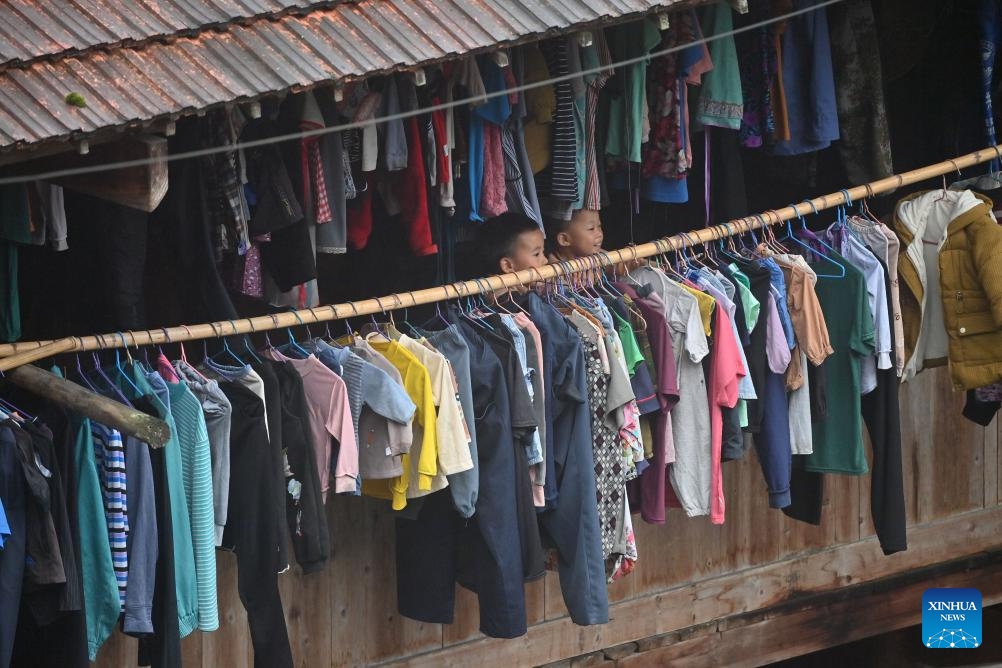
{"x": 25, "y": 353}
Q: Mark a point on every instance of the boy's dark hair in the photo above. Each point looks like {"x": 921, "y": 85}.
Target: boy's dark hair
{"x": 554, "y": 226}
{"x": 498, "y": 236}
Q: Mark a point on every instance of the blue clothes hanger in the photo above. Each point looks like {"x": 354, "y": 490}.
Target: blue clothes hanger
{"x": 247, "y": 342}
{"x": 292, "y": 340}
{"x": 842, "y": 218}
{"x": 347, "y": 323}
{"x": 610, "y": 289}
{"x": 118, "y": 366}
{"x": 227, "y": 351}
{"x": 103, "y": 376}
{"x": 214, "y": 359}
{"x": 813, "y": 251}
{"x": 82, "y": 375}
{"x": 818, "y": 240}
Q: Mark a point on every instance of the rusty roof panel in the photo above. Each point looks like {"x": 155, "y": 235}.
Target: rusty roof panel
{"x": 126, "y": 86}
{"x": 31, "y": 29}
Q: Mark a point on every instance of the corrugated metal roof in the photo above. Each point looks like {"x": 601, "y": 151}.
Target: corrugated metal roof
{"x": 129, "y": 85}
{"x": 31, "y": 29}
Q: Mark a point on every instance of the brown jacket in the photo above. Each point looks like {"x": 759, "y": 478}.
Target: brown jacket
{"x": 970, "y": 282}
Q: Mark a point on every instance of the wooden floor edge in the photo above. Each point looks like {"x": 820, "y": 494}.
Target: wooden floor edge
{"x": 815, "y": 622}
{"x": 732, "y": 594}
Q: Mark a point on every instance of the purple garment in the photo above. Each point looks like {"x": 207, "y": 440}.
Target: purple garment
{"x": 758, "y": 63}
{"x": 989, "y": 392}
{"x": 777, "y": 351}
{"x": 653, "y": 481}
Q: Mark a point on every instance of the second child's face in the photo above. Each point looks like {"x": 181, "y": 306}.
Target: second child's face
{"x": 528, "y": 253}
{"x": 583, "y": 235}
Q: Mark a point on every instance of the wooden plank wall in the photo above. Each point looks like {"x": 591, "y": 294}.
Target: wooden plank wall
{"x": 689, "y": 571}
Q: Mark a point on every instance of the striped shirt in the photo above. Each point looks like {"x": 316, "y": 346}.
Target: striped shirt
{"x": 196, "y": 465}
{"x": 515, "y": 192}
{"x": 563, "y": 176}
{"x": 109, "y": 453}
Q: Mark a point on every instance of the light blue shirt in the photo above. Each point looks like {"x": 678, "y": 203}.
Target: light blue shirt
{"x": 534, "y": 450}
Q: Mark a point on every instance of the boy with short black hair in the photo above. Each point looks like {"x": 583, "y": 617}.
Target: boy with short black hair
{"x": 581, "y": 236}
{"x": 509, "y": 243}
{"x": 574, "y": 238}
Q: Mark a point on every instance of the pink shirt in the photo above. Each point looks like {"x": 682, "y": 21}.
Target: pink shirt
{"x": 726, "y": 371}
{"x": 329, "y": 415}
{"x": 166, "y": 370}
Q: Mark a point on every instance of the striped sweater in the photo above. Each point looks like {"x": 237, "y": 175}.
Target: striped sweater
{"x": 109, "y": 453}
{"x": 196, "y": 464}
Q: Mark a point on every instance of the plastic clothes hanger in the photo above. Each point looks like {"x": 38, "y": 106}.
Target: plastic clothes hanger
{"x": 864, "y": 207}
{"x": 995, "y": 166}
{"x": 479, "y": 302}
{"x": 693, "y": 256}
{"x": 439, "y": 317}
{"x": 184, "y": 356}
{"x": 347, "y": 326}
{"x": 945, "y": 188}
{"x": 103, "y": 376}
{"x": 407, "y": 323}
{"x": 605, "y": 282}
{"x": 818, "y": 240}
{"x": 227, "y": 351}
{"x": 377, "y": 329}
{"x": 843, "y": 219}
{"x": 813, "y": 251}
{"x": 247, "y": 343}
{"x": 118, "y": 367}
{"x": 466, "y": 312}
{"x": 511, "y": 301}
{"x": 83, "y": 376}
{"x": 770, "y": 236}
{"x": 728, "y": 249}
{"x": 292, "y": 339}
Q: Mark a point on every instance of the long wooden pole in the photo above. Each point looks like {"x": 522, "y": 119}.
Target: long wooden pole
{"x": 15, "y": 355}
{"x": 89, "y": 404}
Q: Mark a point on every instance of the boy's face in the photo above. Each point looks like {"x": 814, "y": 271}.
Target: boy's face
{"x": 528, "y": 253}
{"x": 583, "y": 235}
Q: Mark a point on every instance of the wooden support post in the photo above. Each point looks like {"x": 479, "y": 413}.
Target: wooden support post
{"x": 100, "y": 409}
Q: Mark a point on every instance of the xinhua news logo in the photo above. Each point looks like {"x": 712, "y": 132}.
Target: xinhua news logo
{"x": 951, "y": 618}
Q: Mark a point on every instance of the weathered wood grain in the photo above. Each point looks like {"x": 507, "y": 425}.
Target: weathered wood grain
{"x": 734, "y": 593}
{"x": 792, "y": 633}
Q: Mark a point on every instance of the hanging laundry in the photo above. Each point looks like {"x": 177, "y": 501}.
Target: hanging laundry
{"x": 808, "y": 83}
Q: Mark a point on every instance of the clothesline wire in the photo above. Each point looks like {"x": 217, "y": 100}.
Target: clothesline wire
{"x": 14, "y": 355}
{"x": 304, "y": 134}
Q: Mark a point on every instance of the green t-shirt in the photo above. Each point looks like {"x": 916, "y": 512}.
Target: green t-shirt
{"x": 631, "y": 349}
{"x": 749, "y": 304}
{"x": 721, "y": 101}
{"x": 838, "y": 439}
{"x": 626, "y": 110}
